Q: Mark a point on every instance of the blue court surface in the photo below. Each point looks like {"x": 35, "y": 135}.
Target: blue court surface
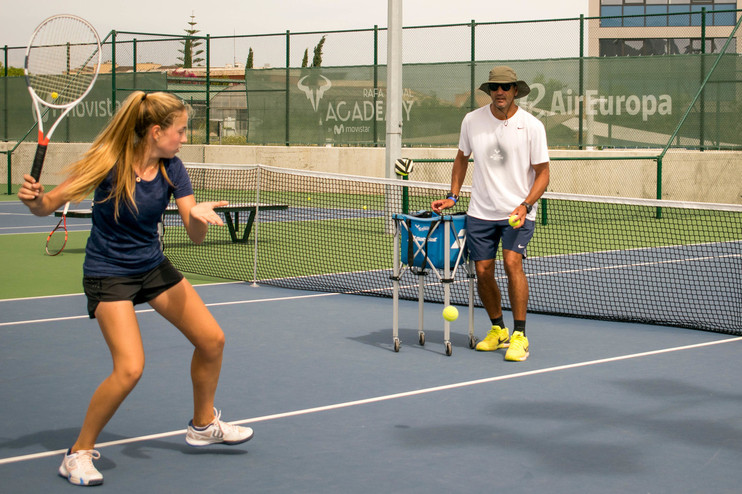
{"x": 598, "y": 407}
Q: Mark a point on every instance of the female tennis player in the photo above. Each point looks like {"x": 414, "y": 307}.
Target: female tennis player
{"x": 132, "y": 169}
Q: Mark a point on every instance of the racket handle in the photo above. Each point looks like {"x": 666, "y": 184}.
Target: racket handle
{"x": 38, "y": 161}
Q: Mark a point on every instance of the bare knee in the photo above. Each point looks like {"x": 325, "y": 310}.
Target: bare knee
{"x": 212, "y": 346}
{"x": 485, "y": 269}
{"x": 513, "y": 264}
{"x": 128, "y": 374}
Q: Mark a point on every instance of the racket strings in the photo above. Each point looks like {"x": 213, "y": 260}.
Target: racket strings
{"x": 57, "y": 239}
{"x": 62, "y": 60}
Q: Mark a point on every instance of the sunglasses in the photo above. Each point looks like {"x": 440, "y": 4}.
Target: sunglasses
{"x": 504, "y": 85}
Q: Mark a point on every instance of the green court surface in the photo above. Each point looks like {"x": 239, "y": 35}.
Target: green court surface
{"x": 28, "y": 272}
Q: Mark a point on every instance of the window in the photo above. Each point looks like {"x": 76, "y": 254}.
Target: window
{"x": 633, "y": 10}
{"x": 608, "y": 12}
{"x": 654, "y": 47}
{"x": 680, "y": 13}
{"x": 674, "y": 19}
{"x": 611, "y": 48}
{"x": 679, "y": 46}
{"x": 660, "y": 46}
{"x": 656, "y": 20}
{"x": 722, "y": 18}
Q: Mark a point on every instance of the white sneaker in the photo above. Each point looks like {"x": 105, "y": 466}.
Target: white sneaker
{"x": 217, "y": 432}
{"x": 78, "y": 467}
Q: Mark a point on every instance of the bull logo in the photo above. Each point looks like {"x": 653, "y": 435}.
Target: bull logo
{"x": 314, "y": 89}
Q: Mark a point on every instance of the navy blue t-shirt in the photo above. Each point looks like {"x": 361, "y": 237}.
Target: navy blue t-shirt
{"x": 131, "y": 245}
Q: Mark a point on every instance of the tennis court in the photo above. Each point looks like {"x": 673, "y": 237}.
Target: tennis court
{"x": 601, "y": 406}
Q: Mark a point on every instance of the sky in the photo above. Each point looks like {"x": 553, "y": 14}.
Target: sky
{"x": 260, "y": 17}
{"x": 227, "y": 17}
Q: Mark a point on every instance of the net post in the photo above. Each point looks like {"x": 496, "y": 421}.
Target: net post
{"x": 405, "y": 197}
{"x": 255, "y": 225}
{"x": 658, "y": 213}
{"x": 10, "y": 175}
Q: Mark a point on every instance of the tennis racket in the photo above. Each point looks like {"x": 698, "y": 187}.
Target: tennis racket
{"x": 62, "y": 63}
{"x": 57, "y": 239}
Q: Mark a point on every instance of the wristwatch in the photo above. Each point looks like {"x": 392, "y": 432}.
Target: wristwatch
{"x": 527, "y": 206}
{"x": 453, "y": 196}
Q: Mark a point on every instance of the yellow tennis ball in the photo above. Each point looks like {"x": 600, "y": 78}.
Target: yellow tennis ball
{"x": 309, "y": 198}
{"x": 450, "y": 313}
{"x": 514, "y": 221}
{"x": 365, "y": 207}
{"x": 55, "y": 95}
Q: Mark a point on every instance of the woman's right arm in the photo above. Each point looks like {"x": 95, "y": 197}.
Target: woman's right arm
{"x": 41, "y": 203}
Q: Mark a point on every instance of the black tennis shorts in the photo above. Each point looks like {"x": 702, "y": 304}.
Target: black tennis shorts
{"x": 139, "y": 288}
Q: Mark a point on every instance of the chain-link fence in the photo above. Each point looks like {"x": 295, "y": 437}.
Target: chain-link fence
{"x": 588, "y": 93}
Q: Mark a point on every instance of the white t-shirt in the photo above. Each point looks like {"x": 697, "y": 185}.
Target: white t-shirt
{"x": 503, "y": 152}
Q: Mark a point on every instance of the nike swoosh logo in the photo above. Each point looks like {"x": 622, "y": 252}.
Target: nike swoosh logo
{"x": 521, "y": 246}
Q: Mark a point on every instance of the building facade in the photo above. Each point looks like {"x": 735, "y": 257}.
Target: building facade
{"x": 661, "y": 27}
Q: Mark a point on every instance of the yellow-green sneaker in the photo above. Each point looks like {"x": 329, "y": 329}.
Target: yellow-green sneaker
{"x": 497, "y": 337}
{"x": 518, "y": 350}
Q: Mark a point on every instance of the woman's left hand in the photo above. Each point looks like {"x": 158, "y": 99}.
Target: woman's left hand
{"x": 204, "y": 212}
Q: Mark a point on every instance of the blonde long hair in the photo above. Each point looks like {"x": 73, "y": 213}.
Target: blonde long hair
{"x": 120, "y": 143}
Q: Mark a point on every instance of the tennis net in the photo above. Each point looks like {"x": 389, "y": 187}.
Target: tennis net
{"x": 648, "y": 261}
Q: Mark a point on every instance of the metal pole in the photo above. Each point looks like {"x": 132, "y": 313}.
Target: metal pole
{"x": 394, "y": 87}
{"x": 288, "y": 64}
{"x": 134, "y": 60}
{"x": 10, "y": 175}
{"x": 659, "y": 186}
{"x": 208, "y": 84}
{"x": 376, "y": 82}
{"x": 473, "y": 63}
{"x": 113, "y": 68}
{"x": 581, "y": 82}
{"x": 5, "y": 96}
{"x": 701, "y": 123}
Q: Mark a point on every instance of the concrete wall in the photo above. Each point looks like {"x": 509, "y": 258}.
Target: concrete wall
{"x": 710, "y": 176}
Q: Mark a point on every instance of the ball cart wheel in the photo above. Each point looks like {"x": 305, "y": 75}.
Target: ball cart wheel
{"x": 472, "y": 342}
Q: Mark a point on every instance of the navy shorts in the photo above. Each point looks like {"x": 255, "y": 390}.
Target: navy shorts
{"x": 139, "y": 288}
{"x": 483, "y": 237}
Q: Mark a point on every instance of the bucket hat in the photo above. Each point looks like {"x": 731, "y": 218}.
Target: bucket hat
{"x": 504, "y": 74}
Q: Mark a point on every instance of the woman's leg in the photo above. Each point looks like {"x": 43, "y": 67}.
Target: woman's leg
{"x": 183, "y": 307}
{"x": 119, "y": 326}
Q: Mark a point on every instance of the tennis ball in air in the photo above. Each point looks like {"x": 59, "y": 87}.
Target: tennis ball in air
{"x": 450, "y": 313}
{"x": 514, "y": 221}
{"x": 55, "y": 95}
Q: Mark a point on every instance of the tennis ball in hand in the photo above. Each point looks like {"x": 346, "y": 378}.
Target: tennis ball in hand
{"x": 450, "y": 313}
{"x": 514, "y": 221}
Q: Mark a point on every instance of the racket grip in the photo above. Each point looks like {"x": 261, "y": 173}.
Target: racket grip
{"x": 38, "y": 161}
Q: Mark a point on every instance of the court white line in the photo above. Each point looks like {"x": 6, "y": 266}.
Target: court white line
{"x": 143, "y": 311}
{"x": 377, "y": 399}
